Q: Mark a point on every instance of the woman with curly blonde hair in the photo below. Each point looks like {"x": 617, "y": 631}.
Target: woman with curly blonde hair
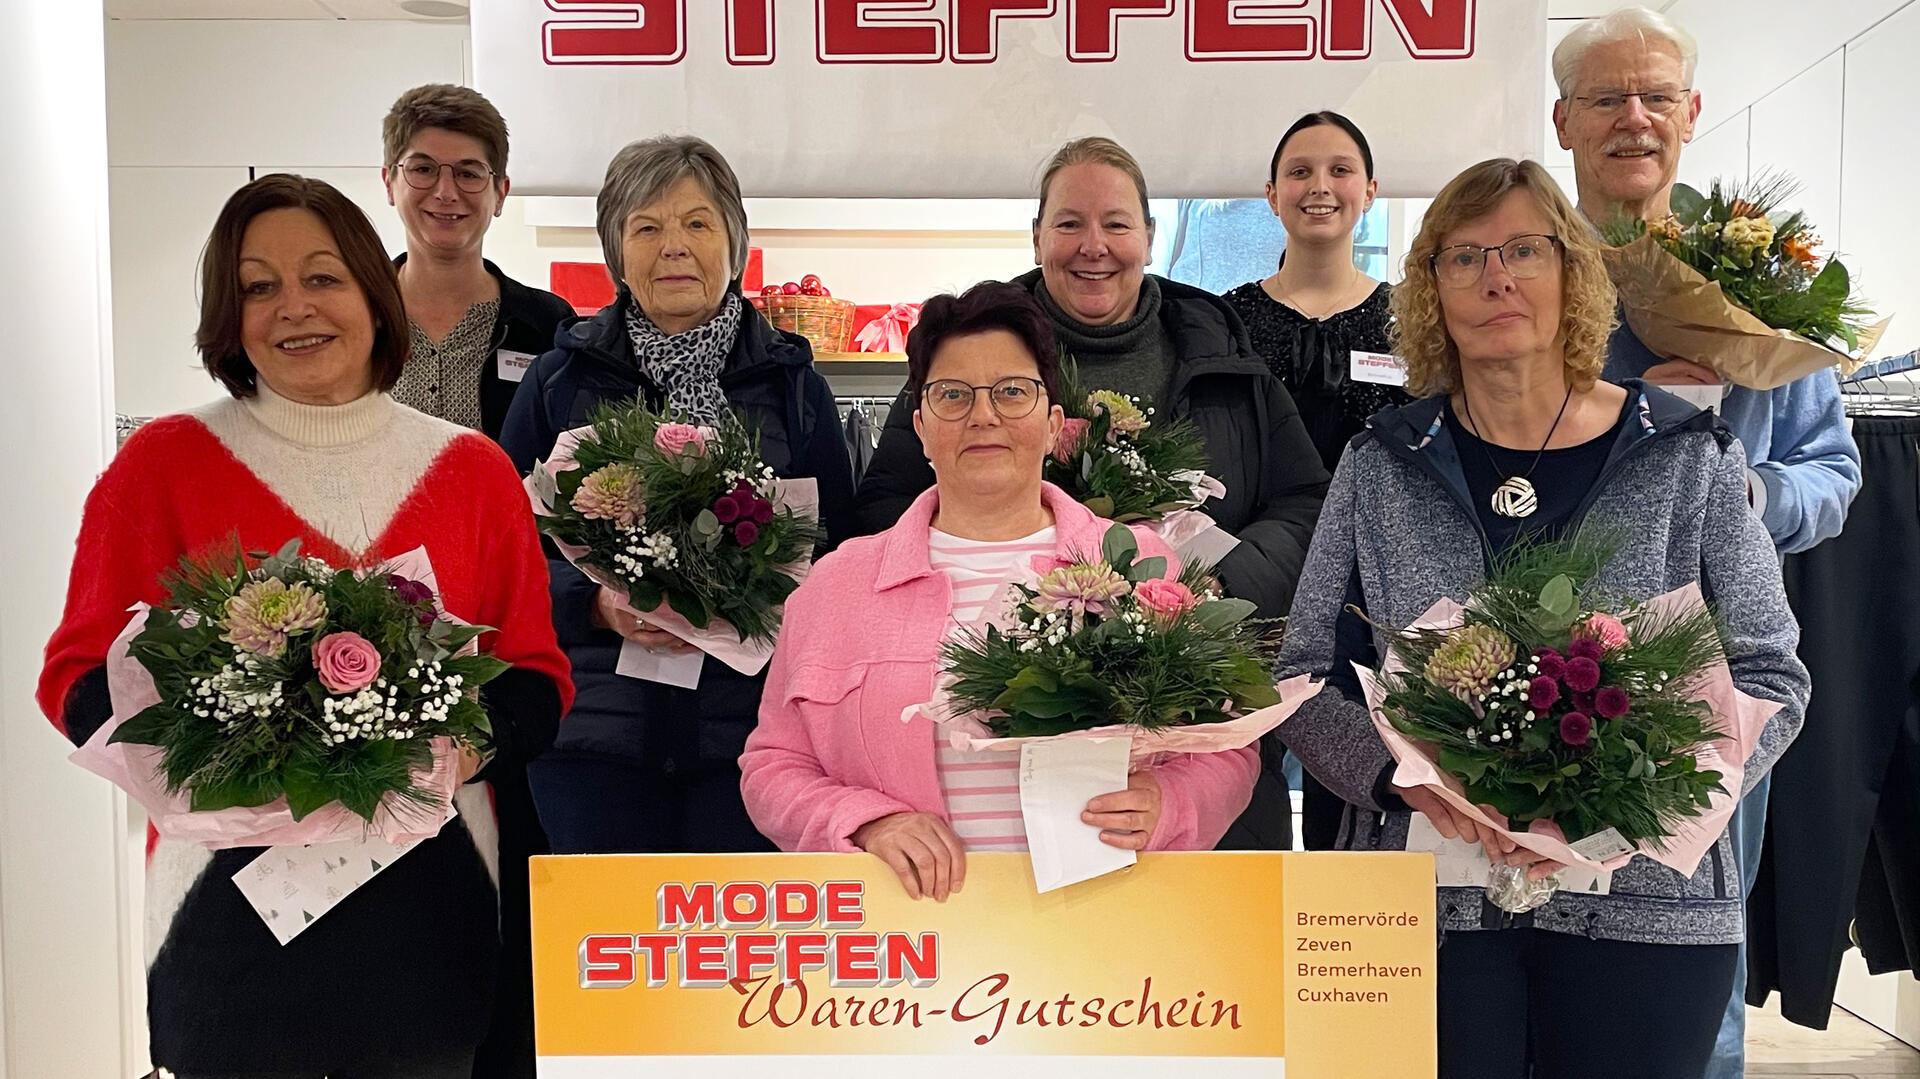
{"x": 1503, "y": 318}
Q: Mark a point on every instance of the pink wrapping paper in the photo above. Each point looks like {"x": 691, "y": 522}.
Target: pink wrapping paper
{"x": 966, "y": 731}
{"x": 136, "y": 768}
{"x": 888, "y": 333}
{"x": 719, "y": 640}
{"x": 1741, "y": 715}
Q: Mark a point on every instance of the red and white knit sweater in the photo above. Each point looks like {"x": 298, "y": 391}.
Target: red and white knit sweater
{"x": 357, "y": 484}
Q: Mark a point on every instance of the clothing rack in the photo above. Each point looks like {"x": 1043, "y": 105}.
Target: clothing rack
{"x": 1870, "y": 392}
{"x": 863, "y": 418}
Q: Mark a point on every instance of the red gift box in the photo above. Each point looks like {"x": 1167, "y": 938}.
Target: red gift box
{"x": 588, "y": 286}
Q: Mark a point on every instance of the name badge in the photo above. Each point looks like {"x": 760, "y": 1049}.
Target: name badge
{"x": 1379, "y": 368}
{"x": 512, "y": 366}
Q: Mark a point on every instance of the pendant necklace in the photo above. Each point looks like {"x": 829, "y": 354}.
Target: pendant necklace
{"x": 1515, "y": 496}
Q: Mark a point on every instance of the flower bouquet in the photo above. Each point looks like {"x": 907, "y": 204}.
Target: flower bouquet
{"x": 1115, "y": 459}
{"x": 686, "y": 522}
{"x": 1731, "y": 280}
{"x": 1105, "y": 649}
{"x": 1600, "y": 732}
{"x": 291, "y": 702}
{"x": 1111, "y": 646}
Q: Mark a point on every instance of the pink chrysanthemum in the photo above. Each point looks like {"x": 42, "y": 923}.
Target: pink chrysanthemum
{"x": 613, "y": 493}
{"x": 265, "y": 613}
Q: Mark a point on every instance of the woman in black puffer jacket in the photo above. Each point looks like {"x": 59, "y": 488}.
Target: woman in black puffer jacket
{"x": 641, "y": 766}
{"x": 1184, "y": 350}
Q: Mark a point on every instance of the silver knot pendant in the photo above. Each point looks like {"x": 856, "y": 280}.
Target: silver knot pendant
{"x": 1515, "y": 497}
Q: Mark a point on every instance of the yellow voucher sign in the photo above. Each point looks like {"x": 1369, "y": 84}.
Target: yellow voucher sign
{"x": 1314, "y": 966}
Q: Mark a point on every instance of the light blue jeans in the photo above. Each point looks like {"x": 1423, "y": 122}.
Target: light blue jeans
{"x": 1748, "y": 830}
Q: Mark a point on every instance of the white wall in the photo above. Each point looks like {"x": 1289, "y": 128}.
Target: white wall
{"x": 190, "y": 117}
{"x": 67, "y": 960}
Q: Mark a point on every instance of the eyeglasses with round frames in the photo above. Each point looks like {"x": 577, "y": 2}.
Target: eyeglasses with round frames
{"x": 423, "y": 173}
{"x": 1012, "y": 397}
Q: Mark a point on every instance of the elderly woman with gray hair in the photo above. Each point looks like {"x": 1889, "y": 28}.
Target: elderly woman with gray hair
{"x": 642, "y": 766}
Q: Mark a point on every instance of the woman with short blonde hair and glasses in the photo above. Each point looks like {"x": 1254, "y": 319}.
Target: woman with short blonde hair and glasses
{"x": 1503, "y": 318}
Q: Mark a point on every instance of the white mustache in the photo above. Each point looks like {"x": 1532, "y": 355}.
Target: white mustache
{"x": 1645, "y": 143}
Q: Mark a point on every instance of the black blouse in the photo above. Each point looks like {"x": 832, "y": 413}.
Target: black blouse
{"x": 1312, "y": 357}
{"x": 1562, "y": 480}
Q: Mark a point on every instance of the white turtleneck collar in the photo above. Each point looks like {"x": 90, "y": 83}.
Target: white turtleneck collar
{"x": 319, "y": 426}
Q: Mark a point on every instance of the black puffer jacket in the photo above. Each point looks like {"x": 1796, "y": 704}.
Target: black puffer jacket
{"x": 1256, "y": 444}
{"x": 770, "y": 380}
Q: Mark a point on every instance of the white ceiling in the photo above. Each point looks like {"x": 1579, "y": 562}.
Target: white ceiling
{"x": 262, "y": 9}
{"x": 1587, "y": 9}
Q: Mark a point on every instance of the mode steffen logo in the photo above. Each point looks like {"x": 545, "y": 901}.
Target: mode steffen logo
{"x": 968, "y": 31}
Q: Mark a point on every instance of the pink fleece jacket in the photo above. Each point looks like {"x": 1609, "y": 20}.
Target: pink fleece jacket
{"x": 860, "y": 642}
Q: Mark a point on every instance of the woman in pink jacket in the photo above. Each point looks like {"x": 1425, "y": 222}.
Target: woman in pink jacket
{"x": 832, "y": 766}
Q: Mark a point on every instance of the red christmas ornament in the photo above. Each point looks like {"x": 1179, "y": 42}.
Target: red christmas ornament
{"x": 770, "y": 290}
{"x": 790, "y": 289}
{"x": 810, "y": 279}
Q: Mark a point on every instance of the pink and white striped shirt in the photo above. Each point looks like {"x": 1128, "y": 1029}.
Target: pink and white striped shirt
{"x": 982, "y": 788}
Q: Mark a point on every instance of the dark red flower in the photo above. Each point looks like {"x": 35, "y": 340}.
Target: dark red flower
{"x": 1542, "y": 692}
{"x": 1612, "y": 702}
{"x": 1576, "y": 728}
{"x": 1581, "y": 702}
{"x": 414, "y": 594}
{"x": 745, "y": 533}
{"x": 1551, "y": 663}
{"x": 1586, "y": 648}
{"x": 762, "y": 512}
{"x": 727, "y": 508}
{"x": 1583, "y": 674}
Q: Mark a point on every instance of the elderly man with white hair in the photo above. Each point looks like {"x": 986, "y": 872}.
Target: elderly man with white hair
{"x": 1627, "y": 106}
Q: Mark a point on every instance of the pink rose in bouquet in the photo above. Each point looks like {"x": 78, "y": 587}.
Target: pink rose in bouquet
{"x": 345, "y": 662}
{"x": 1165, "y": 599}
{"x": 680, "y": 440}
{"x": 1072, "y": 433}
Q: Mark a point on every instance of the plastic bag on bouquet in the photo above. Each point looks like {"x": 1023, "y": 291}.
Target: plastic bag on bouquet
{"x": 1741, "y": 718}
{"x": 719, "y": 639}
{"x": 1193, "y": 535}
{"x": 136, "y": 769}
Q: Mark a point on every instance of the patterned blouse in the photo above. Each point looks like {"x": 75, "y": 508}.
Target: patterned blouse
{"x": 1312, "y": 356}
{"x": 444, "y": 379}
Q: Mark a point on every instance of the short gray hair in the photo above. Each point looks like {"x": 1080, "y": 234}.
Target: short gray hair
{"x": 1624, "y": 25}
{"x": 643, "y": 171}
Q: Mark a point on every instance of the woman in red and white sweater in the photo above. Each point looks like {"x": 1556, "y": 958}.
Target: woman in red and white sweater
{"x": 302, "y": 321}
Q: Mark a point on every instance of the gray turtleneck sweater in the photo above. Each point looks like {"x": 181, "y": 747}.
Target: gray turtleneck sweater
{"x": 1134, "y": 357}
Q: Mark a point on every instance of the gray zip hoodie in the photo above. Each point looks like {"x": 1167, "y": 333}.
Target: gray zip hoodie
{"x": 1398, "y": 533}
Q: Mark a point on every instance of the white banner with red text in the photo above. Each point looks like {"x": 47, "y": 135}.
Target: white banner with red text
{"x": 967, "y": 98}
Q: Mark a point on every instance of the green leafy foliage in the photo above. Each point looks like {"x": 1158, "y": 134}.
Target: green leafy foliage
{"x": 1123, "y": 475}
{"x": 1053, "y": 672}
{"x": 697, "y": 563}
{"x": 1637, "y": 771}
{"x": 226, "y": 754}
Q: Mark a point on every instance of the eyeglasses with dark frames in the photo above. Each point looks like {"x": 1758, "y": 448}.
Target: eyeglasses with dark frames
{"x": 1525, "y": 257}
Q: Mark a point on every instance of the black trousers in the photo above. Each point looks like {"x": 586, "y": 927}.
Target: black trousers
{"x": 593, "y": 803}
{"x": 1529, "y": 1004}
{"x": 1845, "y": 820}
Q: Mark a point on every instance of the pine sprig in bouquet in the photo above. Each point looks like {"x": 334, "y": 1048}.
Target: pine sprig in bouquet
{"x": 1731, "y": 279}
{"x": 1113, "y": 457}
{"x": 291, "y": 679}
{"x": 677, "y": 515}
{"x": 1548, "y": 705}
{"x": 1112, "y": 641}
